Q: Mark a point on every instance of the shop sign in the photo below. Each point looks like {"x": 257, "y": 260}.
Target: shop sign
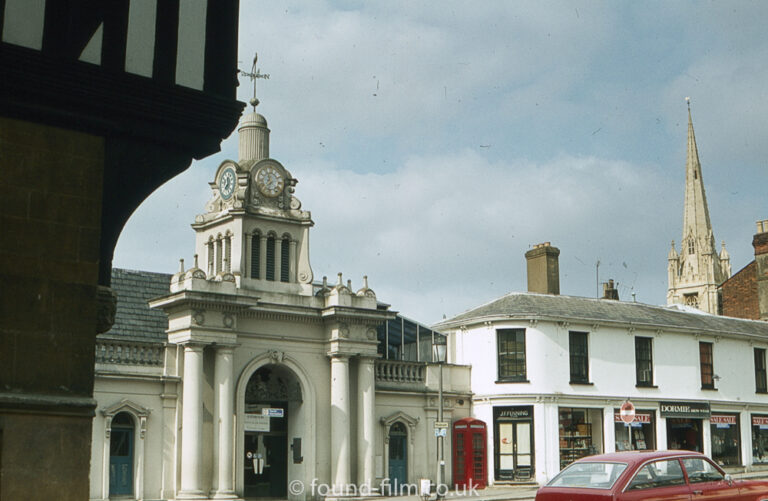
{"x": 639, "y": 418}
{"x": 696, "y": 410}
{"x": 720, "y": 419}
{"x": 514, "y": 413}
{"x": 760, "y": 421}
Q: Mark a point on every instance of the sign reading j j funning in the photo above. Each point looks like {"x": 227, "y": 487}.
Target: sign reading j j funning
{"x": 697, "y": 410}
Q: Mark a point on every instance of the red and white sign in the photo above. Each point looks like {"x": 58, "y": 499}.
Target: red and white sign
{"x": 639, "y": 418}
{"x": 759, "y": 421}
{"x": 627, "y": 412}
{"x": 720, "y": 419}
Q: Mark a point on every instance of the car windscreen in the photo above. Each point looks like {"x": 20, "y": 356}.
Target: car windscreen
{"x": 592, "y": 475}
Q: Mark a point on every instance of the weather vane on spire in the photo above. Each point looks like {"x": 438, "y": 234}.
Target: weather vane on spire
{"x": 254, "y": 75}
{"x": 688, "y": 100}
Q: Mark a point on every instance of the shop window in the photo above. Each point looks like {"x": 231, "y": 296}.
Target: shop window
{"x": 638, "y": 435}
{"x": 644, "y": 361}
{"x": 759, "y": 439}
{"x": 580, "y": 433}
{"x": 579, "y": 355}
{"x": 707, "y": 366}
{"x": 726, "y": 439}
{"x": 760, "y": 379}
{"x": 511, "y": 354}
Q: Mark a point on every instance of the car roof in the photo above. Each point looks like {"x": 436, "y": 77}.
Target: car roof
{"x": 632, "y": 457}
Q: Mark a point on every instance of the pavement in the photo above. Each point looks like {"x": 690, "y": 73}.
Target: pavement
{"x": 519, "y": 492}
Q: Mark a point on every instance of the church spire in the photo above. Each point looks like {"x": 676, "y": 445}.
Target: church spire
{"x": 697, "y": 271}
{"x": 696, "y": 223}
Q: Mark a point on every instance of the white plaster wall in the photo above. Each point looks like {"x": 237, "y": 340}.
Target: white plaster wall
{"x": 145, "y": 393}
{"x": 613, "y": 378}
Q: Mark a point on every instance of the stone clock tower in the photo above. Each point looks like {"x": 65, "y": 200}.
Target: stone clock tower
{"x": 254, "y": 231}
{"x": 697, "y": 270}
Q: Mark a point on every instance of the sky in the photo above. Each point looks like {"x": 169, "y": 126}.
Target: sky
{"x": 435, "y": 143}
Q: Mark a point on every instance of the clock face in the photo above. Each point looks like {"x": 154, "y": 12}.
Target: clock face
{"x": 269, "y": 181}
{"x": 227, "y": 183}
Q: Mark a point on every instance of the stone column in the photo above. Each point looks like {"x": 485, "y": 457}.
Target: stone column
{"x": 223, "y": 477}
{"x": 192, "y": 424}
{"x": 340, "y": 456}
{"x": 366, "y": 424}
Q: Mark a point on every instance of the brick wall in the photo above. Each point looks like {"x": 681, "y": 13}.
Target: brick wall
{"x": 739, "y": 294}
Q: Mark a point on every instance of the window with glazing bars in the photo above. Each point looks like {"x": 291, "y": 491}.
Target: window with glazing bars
{"x": 644, "y": 361}
{"x": 511, "y": 354}
{"x": 579, "y": 354}
{"x": 761, "y": 386}
{"x": 707, "y": 369}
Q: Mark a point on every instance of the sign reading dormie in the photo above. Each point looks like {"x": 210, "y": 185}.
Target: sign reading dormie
{"x": 696, "y": 410}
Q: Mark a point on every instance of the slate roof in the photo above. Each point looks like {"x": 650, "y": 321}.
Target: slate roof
{"x": 134, "y": 321}
{"x": 555, "y": 307}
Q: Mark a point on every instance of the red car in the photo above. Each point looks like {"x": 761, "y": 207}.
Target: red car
{"x": 649, "y": 476}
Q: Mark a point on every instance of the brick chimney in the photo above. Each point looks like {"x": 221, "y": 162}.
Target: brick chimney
{"x": 610, "y": 291}
{"x": 544, "y": 269}
{"x": 760, "y": 243}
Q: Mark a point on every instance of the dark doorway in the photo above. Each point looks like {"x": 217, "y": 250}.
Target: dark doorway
{"x": 272, "y": 480}
{"x": 272, "y": 389}
{"x": 685, "y": 434}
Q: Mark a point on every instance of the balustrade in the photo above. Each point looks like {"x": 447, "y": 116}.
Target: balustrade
{"x": 397, "y": 371}
{"x": 127, "y": 353}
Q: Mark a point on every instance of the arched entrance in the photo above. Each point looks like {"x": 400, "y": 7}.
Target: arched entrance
{"x": 272, "y": 398}
{"x": 398, "y": 455}
{"x": 121, "y": 453}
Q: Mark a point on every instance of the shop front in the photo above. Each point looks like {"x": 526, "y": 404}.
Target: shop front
{"x": 581, "y": 433}
{"x": 726, "y": 439}
{"x": 685, "y": 424}
{"x": 638, "y": 435}
{"x": 513, "y": 447}
{"x": 759, "y": 439}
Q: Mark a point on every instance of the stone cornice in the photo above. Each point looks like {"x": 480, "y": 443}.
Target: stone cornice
{"x": 55, "y": 405}
{"x": 201, "y": 300}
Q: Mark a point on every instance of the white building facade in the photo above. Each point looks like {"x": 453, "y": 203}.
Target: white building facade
{"x": 249, "y": 379}
{"x": 550, "y": 373}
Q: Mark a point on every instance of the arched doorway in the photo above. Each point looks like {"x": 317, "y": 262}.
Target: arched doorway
{"x": 398, "y": 455}
{"x": 121, "y": 453}
{"x": 266, "y": 436}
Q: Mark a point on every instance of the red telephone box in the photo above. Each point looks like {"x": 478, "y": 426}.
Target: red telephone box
{"x": 470, "y": 465}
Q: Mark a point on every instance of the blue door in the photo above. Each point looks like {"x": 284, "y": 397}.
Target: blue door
{"x": 398, "y": 457}
{"x": 121, "y": 456}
